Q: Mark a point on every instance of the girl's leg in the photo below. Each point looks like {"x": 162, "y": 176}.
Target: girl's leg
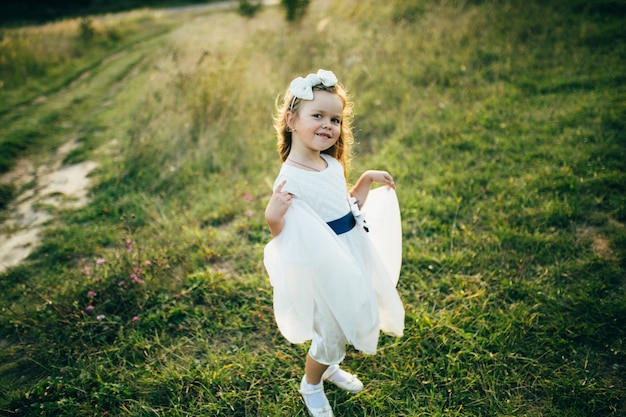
{"x": 327, "y": 345}
{"x": 313, "y": 370}
{"x": 312, "y": 389}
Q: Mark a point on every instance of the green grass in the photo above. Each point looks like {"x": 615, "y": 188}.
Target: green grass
{"x": 503, "y": 124}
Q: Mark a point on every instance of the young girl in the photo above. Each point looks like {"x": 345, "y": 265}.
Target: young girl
{"x": 331, "y": 285}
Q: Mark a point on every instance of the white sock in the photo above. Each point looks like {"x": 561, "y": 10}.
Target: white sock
{"x": 340, "y": 375}
{"x": 317, "y": 400}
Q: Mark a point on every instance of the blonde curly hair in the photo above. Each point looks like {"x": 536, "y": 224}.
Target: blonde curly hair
{"x": 341, "y": 150}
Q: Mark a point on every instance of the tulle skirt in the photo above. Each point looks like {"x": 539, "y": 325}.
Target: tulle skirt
{"x": 353, "y": 274}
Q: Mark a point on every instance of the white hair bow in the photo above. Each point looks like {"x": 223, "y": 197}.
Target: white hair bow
{"x": 303, "y": 87}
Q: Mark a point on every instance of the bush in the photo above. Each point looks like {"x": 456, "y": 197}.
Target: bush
{"x": 249, "y": 9}
{"x": 295, "y": 9}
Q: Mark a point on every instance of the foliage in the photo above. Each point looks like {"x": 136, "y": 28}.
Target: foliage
{"x": 249, "y": 9}
{"x": 503, "y": 125}
{"x": 86, "y": 29}
{"x": 20, "y": 12}
{"x": 295, "y": 10}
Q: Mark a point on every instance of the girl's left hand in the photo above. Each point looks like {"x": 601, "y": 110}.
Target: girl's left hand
{"x": 381, "y": 177}
{"x": 362, "y": 187}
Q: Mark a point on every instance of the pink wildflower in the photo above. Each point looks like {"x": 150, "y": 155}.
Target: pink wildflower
{"x": 91, "y": 294}
{"x": 249, "y": 213}
{"x": 135, "y": 319}
{"x": 100, "y": 317}
{"x": 100, "y": 261}
{"x": 148, "y": 262}
{"x": 121, "y": 283}
{"x": 88, "y": 308}
{"x": 136, "y": 279}
{"x": 247, "y": 197}
{"x": 86, "y": 271}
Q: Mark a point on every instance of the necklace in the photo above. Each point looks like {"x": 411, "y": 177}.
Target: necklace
{"x": 309, "y": 167}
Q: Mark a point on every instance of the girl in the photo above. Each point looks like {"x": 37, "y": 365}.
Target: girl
{"x": 331, "y": 285}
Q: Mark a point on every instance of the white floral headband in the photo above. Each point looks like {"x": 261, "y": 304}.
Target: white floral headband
{"x": 302, "y": 88}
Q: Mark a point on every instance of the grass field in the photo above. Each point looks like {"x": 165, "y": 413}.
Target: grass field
{"x": 503, "y": 124}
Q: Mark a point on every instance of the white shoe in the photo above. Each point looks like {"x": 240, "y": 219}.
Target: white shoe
{"x": 347, "y": 381}
{"x": 325, "y": 411}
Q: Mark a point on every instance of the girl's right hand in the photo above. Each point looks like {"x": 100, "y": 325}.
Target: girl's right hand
{"x": 276, "y": 208}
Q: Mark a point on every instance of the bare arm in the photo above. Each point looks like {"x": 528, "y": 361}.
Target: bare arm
{"x": 362, "y": 187}
{"x": 276, "y": 208}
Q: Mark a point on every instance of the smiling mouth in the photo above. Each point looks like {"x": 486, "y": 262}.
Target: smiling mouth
{"x": 326, "y": 135}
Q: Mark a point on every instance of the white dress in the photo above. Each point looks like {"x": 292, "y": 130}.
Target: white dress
{"x": 353, "y": 274}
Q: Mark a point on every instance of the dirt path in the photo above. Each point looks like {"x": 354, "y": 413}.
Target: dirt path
{"x": 51, "y": 184}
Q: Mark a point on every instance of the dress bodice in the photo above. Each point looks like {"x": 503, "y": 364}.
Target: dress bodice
{"x": 324, "y": 191}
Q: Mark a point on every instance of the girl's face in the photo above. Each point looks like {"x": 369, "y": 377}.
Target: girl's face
{"x": 317, "y": 125}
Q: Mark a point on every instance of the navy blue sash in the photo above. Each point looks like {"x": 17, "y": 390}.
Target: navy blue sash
{"x": 343, "y": 225}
